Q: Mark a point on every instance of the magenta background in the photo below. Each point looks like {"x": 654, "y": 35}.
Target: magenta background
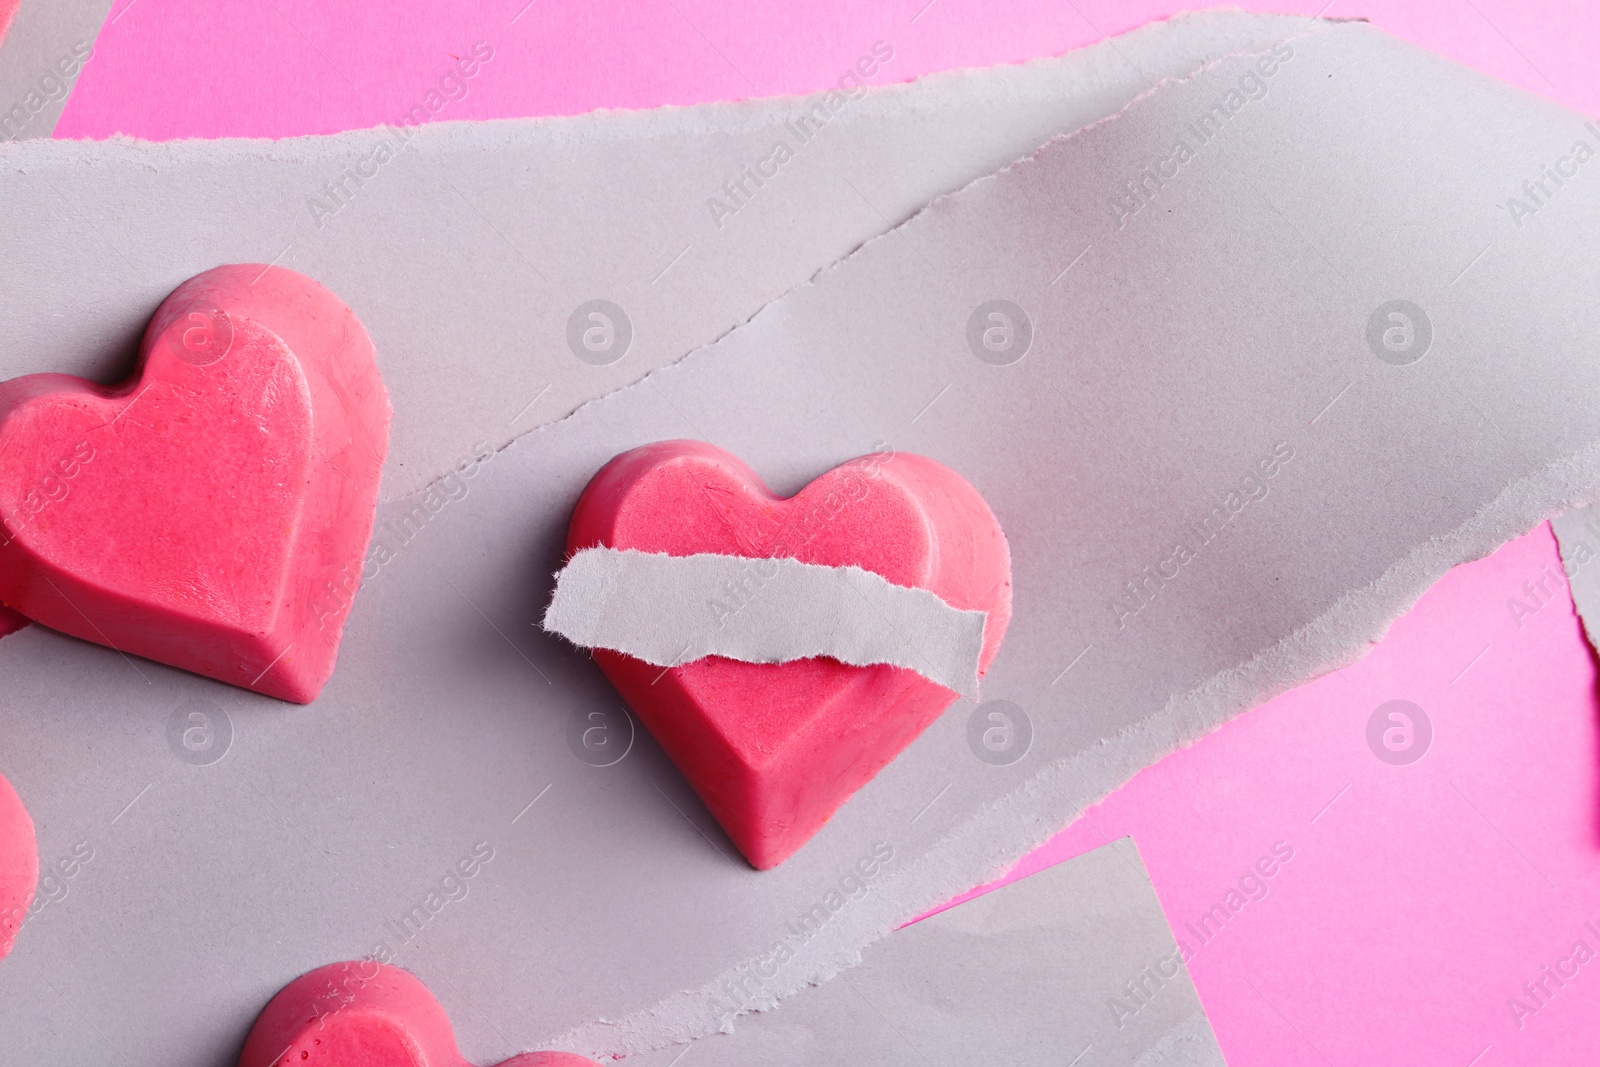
{"x": 1422, "y": 898}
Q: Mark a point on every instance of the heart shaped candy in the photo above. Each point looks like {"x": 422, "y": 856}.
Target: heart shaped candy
{"x": 364, "y": 1014}
{"x": 774, "y": 748}
{"x": 211, "y": 512}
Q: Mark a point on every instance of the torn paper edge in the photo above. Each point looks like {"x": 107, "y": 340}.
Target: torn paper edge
{"x": 1059, "y": 793}
{"x": 1038, "y": 79}
{"x": 671, "y": 610}
{"x": 1188, "y": 1041}
{"x": 1308, "y": 27}
{"x": 1192, "y": 1043}
{"x": 1056, "y": 797}
{"x": 1568, "y": 529}
{"x": 45, "y": 36}
{"x": 681, "y": 1016}
{"x": 1044, "y": 78}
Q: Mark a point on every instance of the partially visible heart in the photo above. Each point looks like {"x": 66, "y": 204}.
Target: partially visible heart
{"x": 774, "y": 748}
{"x": 19, "y": 864}
{"x": 364, "y": 1014}
{"x": 211, "y": 512}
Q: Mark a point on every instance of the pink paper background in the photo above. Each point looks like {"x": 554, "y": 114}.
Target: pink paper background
{"x": 8, "y": 8}
{"x": 1419, "y": 898}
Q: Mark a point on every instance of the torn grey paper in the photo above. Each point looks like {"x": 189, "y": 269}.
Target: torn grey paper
{"x": 1077, "y": 957}
{"x": 480, "y": 306}
{"x": 1578, "y": 537}
{"x": 671, "y": 610}
{"x": 1242, "y": 441}
{"x": 41, "y": 59}
{"x": 1223, "y": 466}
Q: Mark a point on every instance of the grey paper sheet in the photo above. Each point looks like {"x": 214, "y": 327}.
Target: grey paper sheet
{"x": 1578, "y": 539}
{"x": 1074, "y": 964}
{"x": 669, "y": 610}
{"x": 41, "y": 59}
{"x": 468, "y": 253}
{"x": 1222, "y": 462}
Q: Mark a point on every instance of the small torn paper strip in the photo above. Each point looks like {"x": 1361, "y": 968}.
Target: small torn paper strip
{"x": 1578, "y": 536}
{"x": 671, "y": 610}
{"x": 1076, "y": 957}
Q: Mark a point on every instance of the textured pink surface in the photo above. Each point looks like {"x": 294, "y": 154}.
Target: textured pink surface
{"x": 1409, "y": 914}
{"x": 774, "y": 748}
{"x": 187, "y": 68}
{"x": 19, "y": 864}
{"x": 212, "y": 511}
{"x": 1419, "y": 898}
{"x": 364, "y": 1014}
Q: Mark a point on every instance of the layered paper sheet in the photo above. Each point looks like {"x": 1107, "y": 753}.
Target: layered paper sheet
{"x": 1271, "y": 354}
{"x": 1578, "y": 534}
{"x": 1076, "y": 960}
{"x": 469, "y": 250}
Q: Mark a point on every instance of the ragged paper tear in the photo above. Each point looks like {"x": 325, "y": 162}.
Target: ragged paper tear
{"x": 1276, "y": 378}
{"x": 481, "y": 308}
{"x": 42, "y": 55}
{"x": 1077, "y": 958}
{"x": 1578, "y": 537}
{"x": 672, "y": 610}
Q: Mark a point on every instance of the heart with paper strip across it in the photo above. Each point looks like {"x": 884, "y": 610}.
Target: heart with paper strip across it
{"x": 364, "y": 1014}
{"x": 774, "y": 749}
{"x": 210, "y": 513}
